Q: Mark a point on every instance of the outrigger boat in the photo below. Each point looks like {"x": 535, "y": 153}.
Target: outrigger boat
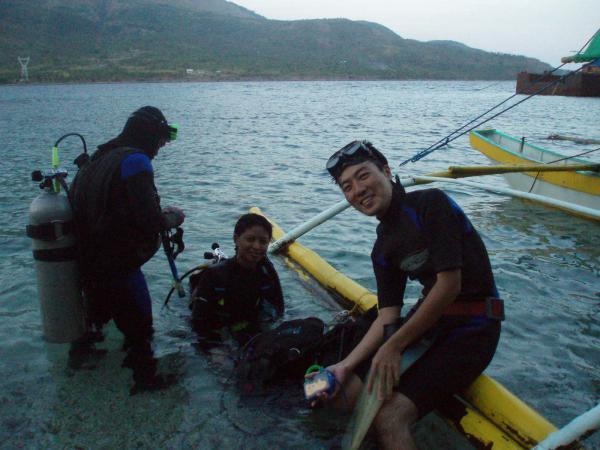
{"x": 574, "y": 190}
{"x": 487, "y": 414}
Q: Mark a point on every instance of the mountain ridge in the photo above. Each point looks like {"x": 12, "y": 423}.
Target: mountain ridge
{"x": 118, "y": 40}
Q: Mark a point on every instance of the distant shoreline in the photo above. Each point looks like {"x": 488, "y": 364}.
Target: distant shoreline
{"x": 247, "y": 80}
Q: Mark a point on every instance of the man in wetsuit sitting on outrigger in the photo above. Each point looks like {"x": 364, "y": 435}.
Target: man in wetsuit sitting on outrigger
{"x": 422, "y": 235}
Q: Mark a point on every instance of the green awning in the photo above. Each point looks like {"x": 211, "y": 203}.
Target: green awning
{"x": 591, "y": 52}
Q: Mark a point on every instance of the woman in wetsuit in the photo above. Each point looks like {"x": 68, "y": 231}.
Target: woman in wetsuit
{"x": 242, "y": 294}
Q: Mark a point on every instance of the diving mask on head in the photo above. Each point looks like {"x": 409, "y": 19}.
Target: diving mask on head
{"x": 353, "y": 153}
{"x": 150, "y": 121}
{"x": 173, "y": 130}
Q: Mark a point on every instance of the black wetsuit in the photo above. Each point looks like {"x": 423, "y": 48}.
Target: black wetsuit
{"x": 423, "y": 233}
{"x": 242, "y": 300}
{"x": 118, "y": 217}
{"x": 118, "y": 212}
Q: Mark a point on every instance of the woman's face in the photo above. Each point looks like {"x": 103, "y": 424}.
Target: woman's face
{"x": 251, "y": 246}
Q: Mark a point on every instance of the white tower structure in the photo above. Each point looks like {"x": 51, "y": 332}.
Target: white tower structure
{"x": 24, "y": 73}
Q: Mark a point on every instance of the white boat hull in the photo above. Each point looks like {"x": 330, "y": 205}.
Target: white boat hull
{"x": 579, "y": 188}
{"x": 526, "y": 183}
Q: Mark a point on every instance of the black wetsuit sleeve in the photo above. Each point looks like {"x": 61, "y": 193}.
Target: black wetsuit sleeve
{"x": 277, "y": 294}
{"x": 144, "y": 202}
{"x": 204, "y": 298}
{"x": 391, "y": 281}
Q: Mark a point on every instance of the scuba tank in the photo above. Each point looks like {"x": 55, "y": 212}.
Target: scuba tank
{"x": 52, "y": 230}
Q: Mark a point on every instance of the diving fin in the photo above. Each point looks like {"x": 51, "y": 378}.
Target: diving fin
{"x": 367, "y": 405}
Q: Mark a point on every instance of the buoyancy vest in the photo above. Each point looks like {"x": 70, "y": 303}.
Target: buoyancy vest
{"x": 112, "y": 238}
{"x": 229, "y": 295}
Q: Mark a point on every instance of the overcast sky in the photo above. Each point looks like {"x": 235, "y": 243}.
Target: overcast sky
{"x": 543, "y": 29}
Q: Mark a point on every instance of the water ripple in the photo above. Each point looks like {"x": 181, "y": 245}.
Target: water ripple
{"x": 265, "y": 144}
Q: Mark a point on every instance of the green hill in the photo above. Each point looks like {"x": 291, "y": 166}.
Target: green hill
{"x": 114, "y": 40}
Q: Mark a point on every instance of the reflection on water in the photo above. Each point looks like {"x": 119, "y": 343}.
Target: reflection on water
{"x": 264, "y": 144}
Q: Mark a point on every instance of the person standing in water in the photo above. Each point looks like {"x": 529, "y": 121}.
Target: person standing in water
{"x": 119, "y": 220}
{"x": 422, "y": 235}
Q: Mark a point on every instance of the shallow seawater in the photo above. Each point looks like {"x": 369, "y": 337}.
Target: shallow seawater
{"x": 265, "y": 144}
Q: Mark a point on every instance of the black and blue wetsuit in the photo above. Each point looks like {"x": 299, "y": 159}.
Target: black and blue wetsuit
{"x": 118, "y": 215}
{"x": 421, "y": 234}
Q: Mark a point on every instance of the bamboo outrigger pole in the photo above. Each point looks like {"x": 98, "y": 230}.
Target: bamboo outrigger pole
{"x": 580, "y": 427}
{"x": 471, "y": 171}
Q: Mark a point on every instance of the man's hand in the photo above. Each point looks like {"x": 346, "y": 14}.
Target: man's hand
{"x": 172, "y": 216}
{"x": 386, "y": 368}
{"x": 340, "y": 372}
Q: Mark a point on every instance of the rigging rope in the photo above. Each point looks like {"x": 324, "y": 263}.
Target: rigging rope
{"x": 575, "y": 156}
{"x": 455, "y": 134}
{"x": 562, "y": 159}
{"x": 452, "y": 136}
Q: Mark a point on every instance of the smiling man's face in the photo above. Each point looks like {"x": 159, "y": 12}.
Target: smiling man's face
{"x": 367, "y": 187}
